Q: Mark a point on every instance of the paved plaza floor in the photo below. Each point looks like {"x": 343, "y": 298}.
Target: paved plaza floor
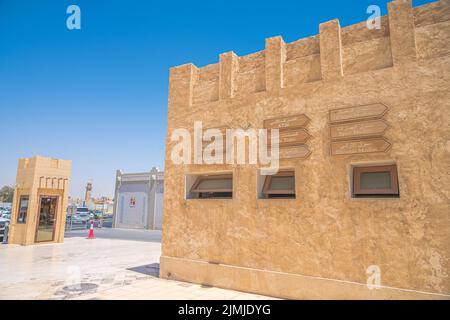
{"x": 118, "y": 264}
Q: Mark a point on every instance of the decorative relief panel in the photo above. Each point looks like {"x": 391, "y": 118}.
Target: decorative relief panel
{"x": 292, "y": 122}
{"x": 52, "y": 182}
{"x": 293, "y": 135}
{"x": 360, "y": 146}
{"x": 369, "y": 111}
{"x": 358, "y": 129}
{"x": 292, "y": 152}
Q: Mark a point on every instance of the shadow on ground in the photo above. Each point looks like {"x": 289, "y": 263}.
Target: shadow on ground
{"x": 148, "y": 269}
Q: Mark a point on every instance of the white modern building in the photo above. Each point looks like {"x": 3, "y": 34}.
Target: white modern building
{"x": 138, "y": 200}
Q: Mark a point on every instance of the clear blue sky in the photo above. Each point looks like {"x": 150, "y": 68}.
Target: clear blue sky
{"x": 98, "y": 96}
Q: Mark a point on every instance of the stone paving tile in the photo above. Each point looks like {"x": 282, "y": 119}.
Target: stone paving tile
{"x": 161, "y": 289}
{"x": 111, "y": 268}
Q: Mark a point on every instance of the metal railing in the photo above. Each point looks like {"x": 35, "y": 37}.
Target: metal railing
{"x": 76, "y": 224}
{"x": 4, "y": 230}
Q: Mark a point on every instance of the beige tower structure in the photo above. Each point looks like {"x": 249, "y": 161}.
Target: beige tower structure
{"x": 40, "y": 201}
{"x": 88, "y": 194}
{"x": 360, "y": 207}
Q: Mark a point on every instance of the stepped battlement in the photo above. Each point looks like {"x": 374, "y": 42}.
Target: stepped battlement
{"x": 406, "y": 34}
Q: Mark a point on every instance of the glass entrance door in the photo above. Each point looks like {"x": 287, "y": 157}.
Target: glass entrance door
{"x": 47, "y": 219}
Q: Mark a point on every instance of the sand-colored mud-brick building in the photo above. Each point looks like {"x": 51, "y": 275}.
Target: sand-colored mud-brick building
{"x": 360, "y": 206}
{"x": 40, "y": 201}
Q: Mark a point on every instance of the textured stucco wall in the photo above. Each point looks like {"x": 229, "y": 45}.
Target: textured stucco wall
{"x": 324, "y": 232}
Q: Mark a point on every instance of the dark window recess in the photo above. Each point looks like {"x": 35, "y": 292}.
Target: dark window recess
{"x": 23, "y": 209}
{"x": 280, "y": 185}
{"x": 214, "y": 186}
{"x": 206, "y": 195}
{"x": 375, "y": 181}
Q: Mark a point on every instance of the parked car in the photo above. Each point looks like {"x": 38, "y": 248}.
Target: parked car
{"x": 80, "y": 218}
{"x": 81, "y": 210}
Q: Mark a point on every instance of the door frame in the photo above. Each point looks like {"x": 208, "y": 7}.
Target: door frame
{"x": 39, "y": 216}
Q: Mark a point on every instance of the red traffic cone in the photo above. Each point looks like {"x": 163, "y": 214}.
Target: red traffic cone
{"x": 91, "y": 230}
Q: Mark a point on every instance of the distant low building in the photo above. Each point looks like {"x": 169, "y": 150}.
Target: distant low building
{"x": 138, "y": 200}
{"x": 104, "y": 207}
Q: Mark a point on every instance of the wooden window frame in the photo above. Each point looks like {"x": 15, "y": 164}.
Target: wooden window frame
{"x": 19, "y": 209}
{"x": 392, "y": 169}
{"x": 266, "y": 187}
{"x": 201, "y": 178}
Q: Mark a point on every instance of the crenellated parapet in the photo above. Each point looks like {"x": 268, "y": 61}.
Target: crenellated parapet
{"x": 405, "y": 35}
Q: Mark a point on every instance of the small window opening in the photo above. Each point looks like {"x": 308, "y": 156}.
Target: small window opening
{"x": 213, "y": 186}
{"x": 280, "y": 185}
{"x": 23, "y": 209}
{"x": 375, "y": 181}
